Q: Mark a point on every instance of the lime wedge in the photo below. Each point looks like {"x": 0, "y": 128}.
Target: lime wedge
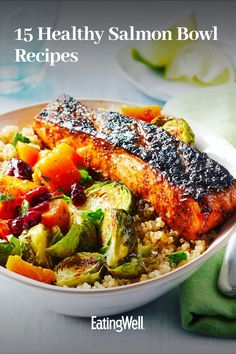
{"x": 160, "y": 53}
{"x": 202, "y": 63}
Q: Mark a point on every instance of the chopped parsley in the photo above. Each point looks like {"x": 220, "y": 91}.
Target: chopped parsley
{"x": 6, "y": 197}
{"x": 84, "y": 177}
{"x": 177, "y": 257}
{"x": 95, "y": 217}
{"x": 14, "y": 243}
{"x": 13, "y": 247}
{"x": 101, "y": 259}
{"x": 20, "y": 137}
{"x": 24, "y": 207}
{"x": 104, "y": 249}
{"x": 61, "y": 196}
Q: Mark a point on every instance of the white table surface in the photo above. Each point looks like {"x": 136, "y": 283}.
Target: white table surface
{"x": 27, "y": 329}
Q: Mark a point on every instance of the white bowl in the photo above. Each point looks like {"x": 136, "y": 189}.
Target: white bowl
{"x": 102, "y": 302}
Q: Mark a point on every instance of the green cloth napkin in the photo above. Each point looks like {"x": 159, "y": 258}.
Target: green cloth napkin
{"x": 203, "y": 308}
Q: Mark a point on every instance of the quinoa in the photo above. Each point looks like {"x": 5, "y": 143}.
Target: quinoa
{"x": 150, "y": 227}
{"x": 7, "y": 135}
{"x": 164, "y": 241}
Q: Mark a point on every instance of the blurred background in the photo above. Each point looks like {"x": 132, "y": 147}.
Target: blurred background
{"x": 96, "y": 74}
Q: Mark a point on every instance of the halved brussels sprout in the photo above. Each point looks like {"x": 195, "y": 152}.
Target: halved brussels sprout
{"x": 34, "y": 243}
{"x": 103, "y": 195}
{"x": 180, "y": 129}
{"x": 160, "y": 121}
{"x": 80, "y": 236}
{"x": 75, "y": 214}
{"x": 132, "y": 269}
{"x": 144, "y": 250}
{"x": 88, "y": 237}
{"x": 83, "y": 267}
{"x": 57, "y": 235}
{"x": 177, "y": 127}
{"x": 118, "y": 236}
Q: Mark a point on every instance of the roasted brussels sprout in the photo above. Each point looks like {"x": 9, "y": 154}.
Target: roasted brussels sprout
{"x": 88, "y": 237}
{"x": 75, "y": 214}
{"x": 132, "y": 269}
{"x": 34, "y": 243}
{"x": 80, "y": 237}
{"x": 144, "y": 250}
{"x": 177, "y": 127}
{"x": 103, "y": 195}
{"x": 118, "y": 236}
{"x": 67, "y": 245}
{"x": 83, "y": 267}
{"x": 160, "y": 121}
{"x": 57, "y": 235}
{"x": 180, "y": 129}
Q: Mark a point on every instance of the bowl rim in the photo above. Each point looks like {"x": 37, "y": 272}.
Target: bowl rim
{"x": 129, "y": 287}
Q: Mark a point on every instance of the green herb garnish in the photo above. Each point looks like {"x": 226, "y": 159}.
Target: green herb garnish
{"x": 177, "y": 257}
{"x": 95, "y": 217}
{"x": 16, "y": 248}
{"x": 13, "y": 247}
{"x": 101, "y": 259}
{"x": 20, "y": 137}
{"x": 61, "y": 196}
{"x": 6, "y": 197}
{"x": 104, "y": 249}
{"x": 85, "y": 177}
{"x": 24, "y": 207}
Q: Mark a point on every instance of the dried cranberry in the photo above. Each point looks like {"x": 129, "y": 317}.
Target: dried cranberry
{"x": 19, "y": 169}
{"x": 78, "y": 196}
{"x": 42, "y": 207}
{"x": 24, "y": 222}
{"x": 37, "y": 196}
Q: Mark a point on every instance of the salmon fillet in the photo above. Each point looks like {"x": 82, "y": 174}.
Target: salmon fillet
{"x": 190, "y": 191}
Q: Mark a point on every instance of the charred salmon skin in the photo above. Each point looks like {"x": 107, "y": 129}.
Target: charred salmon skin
{"x": 189, "y": 190}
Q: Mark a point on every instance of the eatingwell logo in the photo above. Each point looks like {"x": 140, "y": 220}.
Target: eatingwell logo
{"x": 121, "y": 324}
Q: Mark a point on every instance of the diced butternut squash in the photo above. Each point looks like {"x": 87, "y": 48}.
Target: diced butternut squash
{"x": 27, "y": 153}
{"x": 147, "y": 113}
{"x": 58, "y": 168}
{"x": 16, "y": 186}
{"x": 12, "y": 189}
{"x": 58, "y": 214}
{"x": 66, "y": 150}
{"x": 18, "y": 265}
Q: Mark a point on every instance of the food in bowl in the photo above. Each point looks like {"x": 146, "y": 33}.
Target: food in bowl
{"x": 96, "y": 199}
